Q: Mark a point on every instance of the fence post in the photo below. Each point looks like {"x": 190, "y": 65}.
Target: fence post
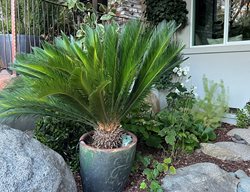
{"x": 13, "y": 29}
{"x": 95, "y": 4}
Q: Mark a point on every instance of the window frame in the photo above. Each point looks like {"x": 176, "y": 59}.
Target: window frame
{"x": 226, "y": 29}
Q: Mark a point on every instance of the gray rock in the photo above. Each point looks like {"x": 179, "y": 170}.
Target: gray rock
{"x": 22, "y": 123}
{"x": 27, "y": 165}
{"x": 238, "y": 139}
{"x": 240, "y": 174}
{"x": 240, "y": 133}
{"x": 218, "y": 152}
{"x": 244, "y": 185}
{"x": 227, "y": 151}
{"x": 201, "y": 177}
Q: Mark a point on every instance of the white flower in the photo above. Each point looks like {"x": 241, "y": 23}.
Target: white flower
{"x": 182, "y": 84}
{"x": 185, "y": 73}
{"x": 179, "y": 73}
{"x": 177, "y": 91}
{"x": 175, "y": 69}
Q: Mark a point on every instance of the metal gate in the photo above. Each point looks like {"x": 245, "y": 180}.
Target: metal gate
{"x": 25, "y": 23}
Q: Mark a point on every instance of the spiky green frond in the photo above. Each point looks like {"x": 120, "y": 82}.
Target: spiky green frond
{"x": 97, "y": 83}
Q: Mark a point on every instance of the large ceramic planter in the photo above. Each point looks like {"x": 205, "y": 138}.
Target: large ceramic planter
{"x": 105, "y": 170}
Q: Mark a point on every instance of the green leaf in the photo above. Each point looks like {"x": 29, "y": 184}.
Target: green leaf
{"x": 71, "y": 3}
{"x": 146, "y": 161}
{"x": 143, "y": 185}
{"x": 167, "y": 160}
{"x": 171, "y": 137}
{"x": 156, "y": 173}
{"x": 155, "y": 185}
{"x": 172, "y": 170}
{"x": 102, "y": 8}
{"x": 165, "y": 167}
{"x": 160, "y": 167}
{"x": 148, "y": 173}
{"x": 106, "y": 17}
{"x": 81, "y": 6}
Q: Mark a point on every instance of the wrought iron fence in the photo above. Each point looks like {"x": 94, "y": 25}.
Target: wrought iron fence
{"x": 26, "y": 23}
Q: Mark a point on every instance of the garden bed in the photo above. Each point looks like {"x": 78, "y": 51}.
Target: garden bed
{"x": 183, "y": 160}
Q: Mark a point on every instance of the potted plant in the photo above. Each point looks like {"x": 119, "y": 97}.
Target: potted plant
{"x": 97, "y": 84}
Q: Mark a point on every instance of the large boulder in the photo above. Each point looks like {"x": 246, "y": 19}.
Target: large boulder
{"x": 27, "y": 165}
{"x": 200, "y": 177}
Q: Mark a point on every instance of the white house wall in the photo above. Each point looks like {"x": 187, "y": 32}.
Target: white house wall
{"x": 230, "y": 63}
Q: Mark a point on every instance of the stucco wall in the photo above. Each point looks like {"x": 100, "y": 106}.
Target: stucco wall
{"x": 231, "y": 63}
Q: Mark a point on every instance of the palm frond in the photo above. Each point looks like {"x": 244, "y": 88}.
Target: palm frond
{"x": 97, "y": 83}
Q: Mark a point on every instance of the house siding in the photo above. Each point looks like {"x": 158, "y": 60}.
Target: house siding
{"x": 230, "y": 63}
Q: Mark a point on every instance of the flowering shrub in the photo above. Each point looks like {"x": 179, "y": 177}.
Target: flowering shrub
{"x": 173, "y": 79}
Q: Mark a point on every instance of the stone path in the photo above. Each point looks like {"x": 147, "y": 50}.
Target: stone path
{"x": 208, "y": 177}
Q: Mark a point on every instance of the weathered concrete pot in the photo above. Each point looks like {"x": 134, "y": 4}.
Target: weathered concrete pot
{"x": 105, "y": 170}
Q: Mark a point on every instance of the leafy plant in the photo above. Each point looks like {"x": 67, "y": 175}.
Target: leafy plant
{"x": 175, "y": 125}
{"x": 243, "y": 116}
{"x": 153, "y": 169}
{"x": 97, "y": 84}
{"x": 157, "y": 11}
{"x": 213, "y": 106}
{"x": 142, "y": 122}
{"x": 61, "y": 136}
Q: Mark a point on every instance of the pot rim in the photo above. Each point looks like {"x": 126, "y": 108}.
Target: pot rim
{"x": 83, "y": 137}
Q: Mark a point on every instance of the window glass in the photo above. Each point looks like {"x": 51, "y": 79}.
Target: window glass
{"x": 239, "y": 20}
{"x": 209, "y": 22}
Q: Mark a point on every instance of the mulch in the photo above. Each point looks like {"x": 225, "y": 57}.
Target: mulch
{"x": 183, "y": 160}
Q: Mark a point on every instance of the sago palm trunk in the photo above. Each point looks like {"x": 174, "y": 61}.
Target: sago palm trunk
{"x": 108, "y": 135}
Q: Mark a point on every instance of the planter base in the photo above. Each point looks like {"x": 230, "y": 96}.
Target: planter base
{"x": 105, "y": 170}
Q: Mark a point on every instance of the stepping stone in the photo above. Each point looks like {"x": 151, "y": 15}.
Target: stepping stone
{"x": 240, "y": 133}
{"x": 227, "y": 151}
{"x": 200, "y": 177}
{"x": 244, "y": 185}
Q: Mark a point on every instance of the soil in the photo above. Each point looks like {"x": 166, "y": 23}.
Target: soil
{"x": 183, "y": 160}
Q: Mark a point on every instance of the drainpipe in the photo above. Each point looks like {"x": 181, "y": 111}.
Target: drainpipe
{"x": 13, "y": 29}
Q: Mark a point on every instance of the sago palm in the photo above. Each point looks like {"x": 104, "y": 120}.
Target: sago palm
{"x": 97, "y": 83}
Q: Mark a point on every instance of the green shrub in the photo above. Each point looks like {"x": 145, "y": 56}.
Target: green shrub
{"x": 174, "y": 125}
{"x": 157, "y": 11}
{"x": 213, "y": 106}
{"x": 243, "y": 116}
{"x": 61, "y": 136}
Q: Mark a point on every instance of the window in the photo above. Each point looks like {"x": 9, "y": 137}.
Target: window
{"x": 221, "y": 21}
